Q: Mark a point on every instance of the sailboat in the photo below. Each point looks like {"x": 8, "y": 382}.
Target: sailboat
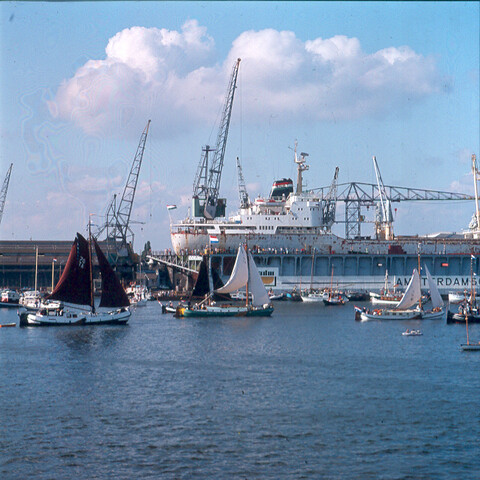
{"x": 386, "y": 297}
{"x": 334, "y": 297}
{"x": 312, "y": 296}
{"x": 405, "y": 310}
{"x": 75, "y": 290}
{"x": 244, "y": 274}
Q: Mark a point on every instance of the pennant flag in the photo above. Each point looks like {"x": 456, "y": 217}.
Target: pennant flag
{"x": 171, "y": 207}
{"x": 213, "y": 239}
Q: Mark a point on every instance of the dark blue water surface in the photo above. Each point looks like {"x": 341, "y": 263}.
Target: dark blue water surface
{"x": 307, "y": 393}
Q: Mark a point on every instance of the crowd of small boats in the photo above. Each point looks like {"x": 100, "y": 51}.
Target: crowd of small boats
{"x": 244, "y": 294}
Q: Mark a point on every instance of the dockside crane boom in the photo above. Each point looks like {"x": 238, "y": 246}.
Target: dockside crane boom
{"x": 3, "y": 192}
{"x": 117, "y": 223}
{"x": 242, "y": 190}
{"x": 330, "y": 203}
{"x": 207, "y": 181}
{"x": 126, "y": 203}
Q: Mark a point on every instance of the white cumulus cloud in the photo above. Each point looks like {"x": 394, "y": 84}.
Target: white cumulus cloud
{"x": 174, "y": 78}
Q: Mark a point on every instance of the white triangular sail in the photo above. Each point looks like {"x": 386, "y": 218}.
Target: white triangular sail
{"x": 412, "y": 293}
{"x": 255, "y": 284}
{"x": 434, "y": 293}
{"x": 239, "y": 276}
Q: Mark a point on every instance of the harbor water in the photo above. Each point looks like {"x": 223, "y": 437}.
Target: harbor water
{"x": 308, "y": 393}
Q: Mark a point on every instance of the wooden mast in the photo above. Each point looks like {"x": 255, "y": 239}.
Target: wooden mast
{"x": 92, "y": 298}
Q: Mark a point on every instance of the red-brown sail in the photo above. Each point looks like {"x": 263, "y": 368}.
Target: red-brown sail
{"x": 113, "y": 294}
{"x": 74, "y": 284}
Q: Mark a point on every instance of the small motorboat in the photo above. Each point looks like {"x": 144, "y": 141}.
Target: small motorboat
{"x": 411, "y": 333}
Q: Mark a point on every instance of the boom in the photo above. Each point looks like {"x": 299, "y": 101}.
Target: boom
{"x": 3, "y": 192}
{"x": 118, "y": 220}
{"x": 207, "y": 181}
{"x": 242, "y": 190}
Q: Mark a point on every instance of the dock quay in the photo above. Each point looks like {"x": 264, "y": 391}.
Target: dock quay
{"x": 20, "y": 259}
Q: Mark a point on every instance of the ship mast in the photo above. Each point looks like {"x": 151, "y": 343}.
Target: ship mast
{"x": 301, "y": 167}
{"x": 384, "y": 227}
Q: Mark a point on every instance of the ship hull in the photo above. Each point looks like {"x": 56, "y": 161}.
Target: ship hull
{"x": 282, "y": 271}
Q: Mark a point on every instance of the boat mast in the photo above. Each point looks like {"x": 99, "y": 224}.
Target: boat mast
{"x": 420, "y": 277}
{"x": 248, "y": 275}
{"x": 92, "y": 299}
{"x": 311, "y": 271}
{"x": 475, "y": 177}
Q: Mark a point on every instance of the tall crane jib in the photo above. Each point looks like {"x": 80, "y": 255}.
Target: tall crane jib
{"x": 242, "y": 189}
{"x": 117, "y": 224}
{"x": 330, "y": 203}
{"x": 3, "y": 192}
{"x": 206, "y": 201}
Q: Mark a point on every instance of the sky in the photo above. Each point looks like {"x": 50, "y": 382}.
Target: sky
{"x": 346, "y": 80}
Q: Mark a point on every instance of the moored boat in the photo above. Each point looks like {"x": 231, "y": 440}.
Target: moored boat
{"x": 75, "y": 290}
{"x": 9, "y": 298}
{"x": 244, "y": 275}
{"x": 409, "y": 307}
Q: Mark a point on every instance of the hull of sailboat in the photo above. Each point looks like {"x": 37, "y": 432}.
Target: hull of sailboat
{"x": 226, "y": 311}
{"x": 470, "y": 347}
{"x": 413, "y": 314}
{"x": 259, "y": 312}
{"x": 212, "y": 312}
{"x": 460, "y": 318}
{"x": 391, "y": 315}
{"x": 313, "y": 298}
{"x": 330, "y": 300}
{"x": 377, "y": 300}
{"x": 119, "y": 317}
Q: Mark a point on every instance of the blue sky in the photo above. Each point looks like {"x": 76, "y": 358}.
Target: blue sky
{"x": 399, "y": 80}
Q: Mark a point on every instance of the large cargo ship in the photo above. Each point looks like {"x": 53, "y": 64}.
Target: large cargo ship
{"x": 290, "y": 234}
{"x": 290, "y": 231}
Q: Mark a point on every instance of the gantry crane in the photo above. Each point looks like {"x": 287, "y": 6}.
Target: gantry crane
{"x": 3, "y": 192}
{"x": 117, "y": 223}
{"x": 206, "y": 201}
{"x": 356, "y": 195}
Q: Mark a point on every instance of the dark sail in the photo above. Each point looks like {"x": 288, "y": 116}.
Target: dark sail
{"x": 201, "y": 285}
{"x": 74, "y": 284}
{"x": 217, "y": 283}
{"x": 113, "y": 294}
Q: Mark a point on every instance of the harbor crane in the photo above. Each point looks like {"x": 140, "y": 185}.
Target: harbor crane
{"x": 3, "y": 192}
{"x": 330, "y": 202}
{"x": 356, "y": 195}
{"x": 117, "y": 223}
{"x": 206, "y": 201}
{"x": 242, "y": 190}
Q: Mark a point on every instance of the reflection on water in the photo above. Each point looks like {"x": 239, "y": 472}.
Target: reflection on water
{"x": 307, "y": 393}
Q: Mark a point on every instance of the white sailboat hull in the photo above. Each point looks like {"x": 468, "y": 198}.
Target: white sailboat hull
{"x": 116, "y": 317}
